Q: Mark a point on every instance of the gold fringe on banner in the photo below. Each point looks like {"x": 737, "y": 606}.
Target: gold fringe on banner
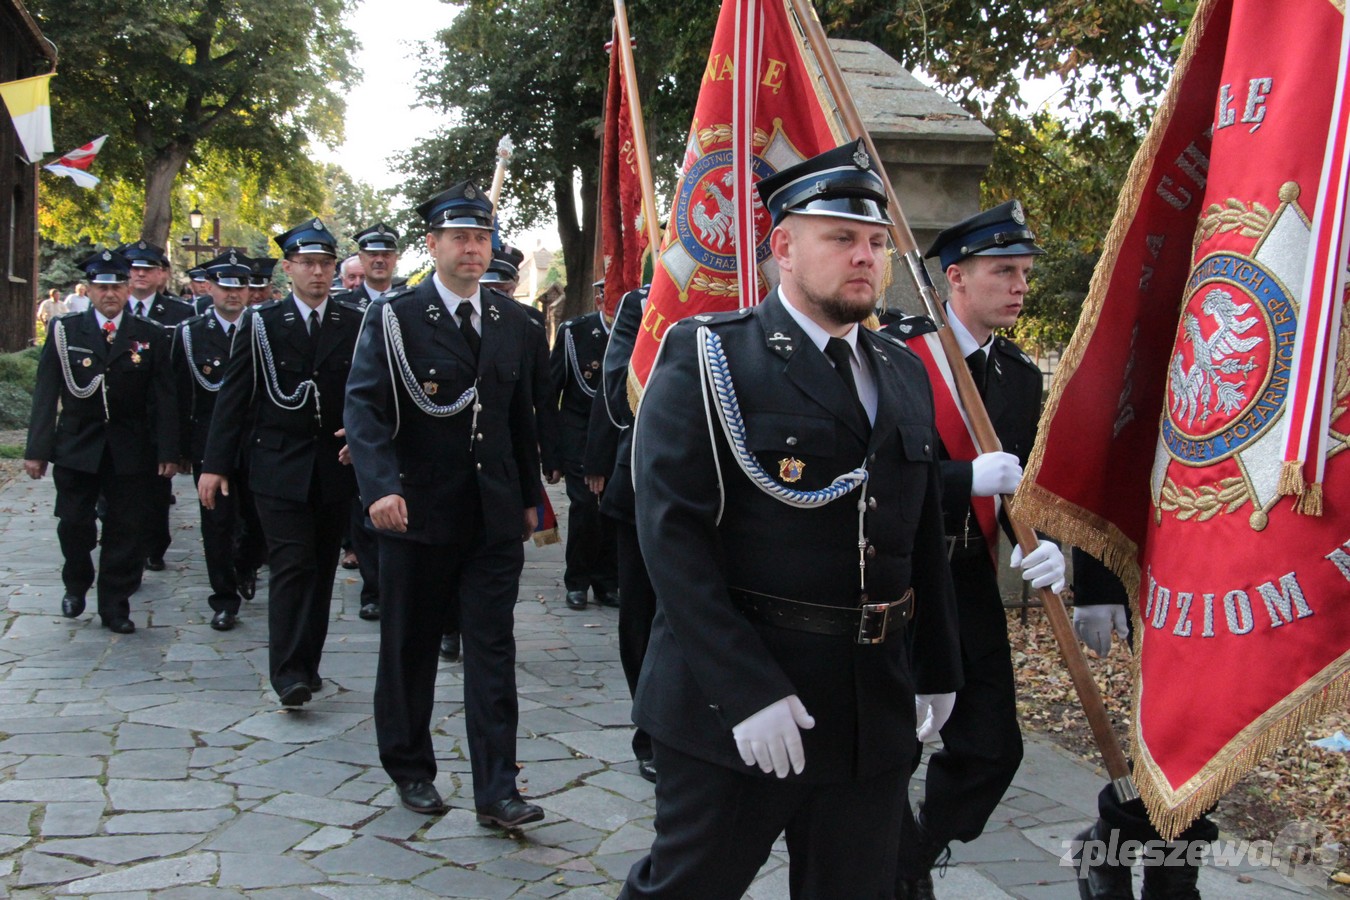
{"x": 1043, "y": 510}
{"x": 546, "y": 537}
{"x": 1291, "y": 479}
{"x": 1172, "y": 811}
{"x": 1309, "y": 502}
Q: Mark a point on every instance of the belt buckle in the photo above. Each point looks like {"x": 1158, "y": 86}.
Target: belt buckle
{"x": 872, "y": 622}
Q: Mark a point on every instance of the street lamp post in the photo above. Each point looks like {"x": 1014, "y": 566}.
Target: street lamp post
{"x": 196, "y": 219}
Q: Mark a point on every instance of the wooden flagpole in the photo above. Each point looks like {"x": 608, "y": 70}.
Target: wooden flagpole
{"x": 504, "y": 150}
{"x": 623, "y": 45}
{"x": 985, "y": 438}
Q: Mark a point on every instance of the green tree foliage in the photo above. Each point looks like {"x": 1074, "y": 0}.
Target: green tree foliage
{"x": 1065, "y": 161}
{"x": 535, "y": 69}
{"x": 238, "y": 85}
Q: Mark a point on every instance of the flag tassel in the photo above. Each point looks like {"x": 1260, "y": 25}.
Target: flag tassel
{"x": 1309, "y": 502}
{"x": 1291, "y": 479}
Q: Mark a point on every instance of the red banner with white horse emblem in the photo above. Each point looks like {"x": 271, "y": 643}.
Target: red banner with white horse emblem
{"x": 1163, "y": 443}
{"x": 761, "y": 108}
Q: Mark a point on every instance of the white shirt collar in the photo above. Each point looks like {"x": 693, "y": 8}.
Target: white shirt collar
{"x": 102, "y": 319}
{"x": 964, "y": 339}
{"x": 224, "y": 322}
{"x": 303, "y": 308}
{"x": 819, "y": 336}
{"x": 453, "y": 300}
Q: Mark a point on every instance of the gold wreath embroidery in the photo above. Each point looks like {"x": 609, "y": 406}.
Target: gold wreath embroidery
{"x": 1206, "y": 502}
{"x": 718, "y": 287}
{"x": 1232, "y": 215}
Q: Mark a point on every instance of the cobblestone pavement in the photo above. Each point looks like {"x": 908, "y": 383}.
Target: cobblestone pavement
{"x": 158, "y": 764}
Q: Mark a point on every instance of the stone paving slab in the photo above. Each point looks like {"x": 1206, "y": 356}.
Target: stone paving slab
{"x": 157, "y": 765}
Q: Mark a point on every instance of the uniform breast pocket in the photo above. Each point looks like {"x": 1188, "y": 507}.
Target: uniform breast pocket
{"x": 788, "y": 444}
{"x": 442, "y": 378}
{"x": 337, "y": 362}
{"x": 917, "y": 447}
{"x": 508, "y": 372}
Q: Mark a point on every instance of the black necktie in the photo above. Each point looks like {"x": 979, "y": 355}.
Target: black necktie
{"x": 229, "y": 334}
{"x": 314, "y": 325}
{"x": 978, "y": 363}
{"x": 838, "y": 351}
{"x": 465, "y": 312}
{"x": 140, "y": 309}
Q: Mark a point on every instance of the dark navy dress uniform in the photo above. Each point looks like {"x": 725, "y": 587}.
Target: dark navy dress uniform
{"x": 711, "y": 538}
{"x": 169, "y": 312}
{"x": 300, "y": 488}
{"x": 202, "y": 352}
{"x": 981, "y": 740}
{"x": 107, "y": 444}
{"x": 578, "y": 351}
{"x": 467, "y": 479}
{"x": 609, "y": 449}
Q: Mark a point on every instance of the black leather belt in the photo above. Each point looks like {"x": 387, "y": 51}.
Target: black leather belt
{"x": 870, "y": 623}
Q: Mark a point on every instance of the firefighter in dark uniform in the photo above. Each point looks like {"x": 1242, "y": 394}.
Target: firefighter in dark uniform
{"x": 260, "y": 279}
{"x": 282, "y": 398}
{"x": 115, "y": 436}
{"x": 149, "y": 266}
{"x": 574, "y": 366}
{"x": 378, "y": 251}
{"x": 609, "y": 475}
{"x": 201, "y": 353}
{"x": 986, "y": 260}
{"x": 441, "y": 427}
{"x": 792, "y": 529}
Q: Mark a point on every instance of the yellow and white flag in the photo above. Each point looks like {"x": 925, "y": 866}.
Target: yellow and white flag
{"x": 30, "y": 107}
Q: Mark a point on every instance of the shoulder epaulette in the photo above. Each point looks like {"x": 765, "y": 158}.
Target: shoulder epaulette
{"x": 911, "y": 327}
{"x": 398, "y": 292}
{"x": 1014, "y": 352}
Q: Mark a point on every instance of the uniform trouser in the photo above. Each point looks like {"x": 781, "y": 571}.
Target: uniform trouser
{"x": 251, "y": 541}
{"x": 981, "y": 750}
{"x": 590, "y": 550}
{"x": 416, "y": 583}
{"x": 302, "y": 549}
{"x": 1131, "y": 820}
{"x": 363, "y": 544}
{"x": 219, "y": 544}
{"x": 120, "y": 556}
{"x": 637, "y": 606}
{"x": 715, "y": 827}
{"x": 155, "y": 538}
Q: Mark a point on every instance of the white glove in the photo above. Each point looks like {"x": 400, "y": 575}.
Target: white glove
{"x": 771, "y": 737}
{"x": 931, "y": 711}
{"x": 1043, "y": 566}
{"x": 1094, "y": 624}
{"x": 994, "y": 473}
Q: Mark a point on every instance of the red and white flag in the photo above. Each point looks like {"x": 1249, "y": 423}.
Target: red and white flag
{"x": 622, "y": 216}
{"x": 1195, "y": 434}
{"x": 75, "y": 164}
{"x": 760, "y": 109}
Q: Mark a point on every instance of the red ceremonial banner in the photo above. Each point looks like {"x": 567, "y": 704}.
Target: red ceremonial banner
{"x": 761, "y": 108}
{"x": 1161, "y": 447}
{"x": 621, "y": 213}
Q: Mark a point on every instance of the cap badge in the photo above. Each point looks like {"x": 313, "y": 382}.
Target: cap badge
{"x": 1017, "y": 215}
{"x": 107, "y": 257}
{"x": 234, "y": 260}
{"x": 140, "y": 245}
{"x": 470, "y": 193}
{"x": 861, "y": 159}
{"x": 790, "y": 470}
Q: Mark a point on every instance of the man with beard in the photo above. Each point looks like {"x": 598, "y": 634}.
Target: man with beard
{"x": 202, "y": 352}
{"x": 115, "y": 436}
{"x": 788, "y": 556}
{"x": 282, "y": 397}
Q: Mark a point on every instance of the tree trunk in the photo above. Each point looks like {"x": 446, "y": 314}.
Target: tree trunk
{"x": 578, "y": 241}
{"x": 161, "y": 170}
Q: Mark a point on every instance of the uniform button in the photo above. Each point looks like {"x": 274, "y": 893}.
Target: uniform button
{"x": 478, "y": 437}
{"x": 479, "y": 467}
{"x": 431, "y": 371}
{"x": 872, "y": 503}
{"x": 872, "y": 458}
{"x": 926, "y": 450}
{"x": 792, "y": 442}
{"x": 871, "y": 552}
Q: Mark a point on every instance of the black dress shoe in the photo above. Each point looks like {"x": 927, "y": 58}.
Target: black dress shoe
{"x": 370, "y": 612}
{"x": 297, "y": 694}
{"x": 576, "y": 599}
{"x": 450, "y": 646}
{"x": 155, "y": 564}
{"x": 120, "y": 626}
{"x": 610, "y": 600}
{"x": 248, "y": 583}
{"x": 421, "y": 797}
{"x": 72, "y": 605}
{"x": 509, "y": 813}
{"x": 223, "y": 621}
{"x": 647, "y": 769}
{"x": 315, "y": 684}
